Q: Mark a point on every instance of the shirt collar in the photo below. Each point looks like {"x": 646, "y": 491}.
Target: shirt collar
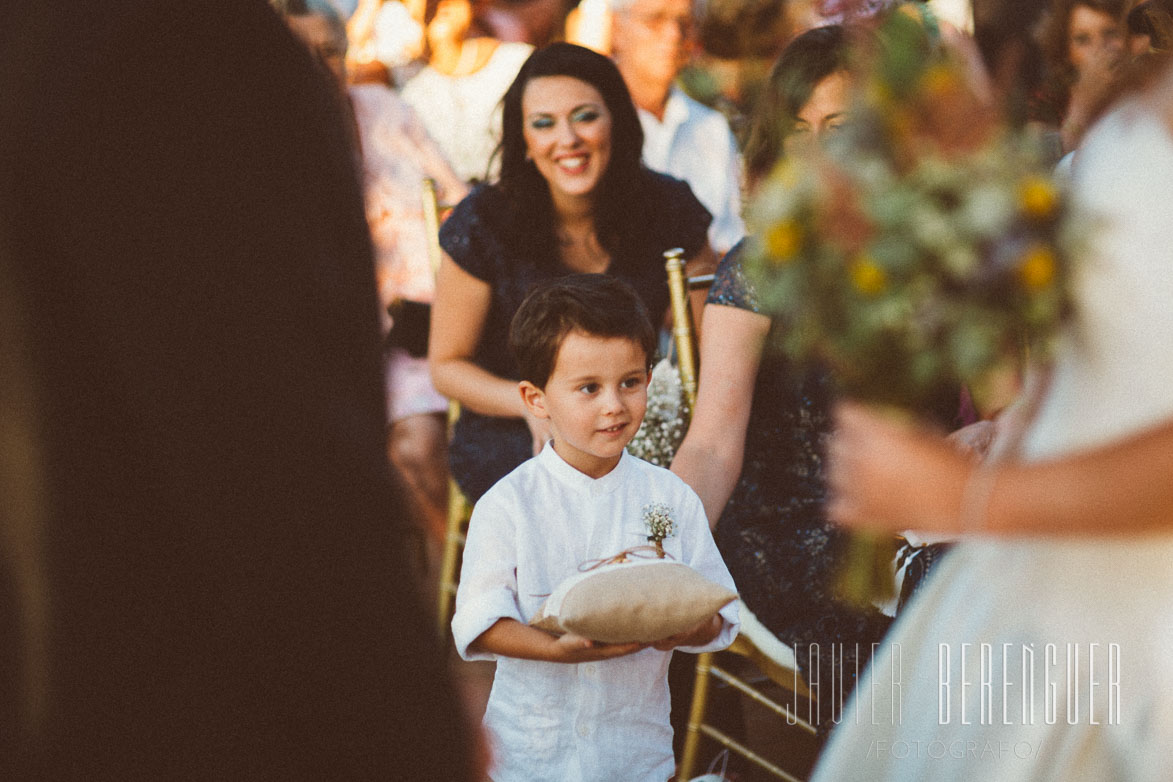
{"x": 675, "y": 112}
{"x": 579, "y": 481}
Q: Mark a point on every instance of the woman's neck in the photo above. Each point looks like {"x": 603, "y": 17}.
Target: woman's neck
{"x": 573, "y": 211}
{"x": 651, "y": 97}
{"x": 578, "y": 242}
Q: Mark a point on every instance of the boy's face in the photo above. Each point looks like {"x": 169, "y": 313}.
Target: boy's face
{"x": 595, "y": 399}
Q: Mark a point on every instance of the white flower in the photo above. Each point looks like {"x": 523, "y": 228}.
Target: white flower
{"x": 987, "y": 210}
{"x": 663, "y": 426}
{"x": 659, "y": 521}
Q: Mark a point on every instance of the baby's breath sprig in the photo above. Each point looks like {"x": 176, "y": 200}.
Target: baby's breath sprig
{"x": 658, "y": 519}
{"x": 664, "y": 422}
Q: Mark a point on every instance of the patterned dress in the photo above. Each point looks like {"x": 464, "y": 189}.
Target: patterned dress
{"x": 783, "y": 553}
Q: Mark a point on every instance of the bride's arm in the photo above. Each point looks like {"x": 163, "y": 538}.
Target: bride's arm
{"x": 887, "y": 475}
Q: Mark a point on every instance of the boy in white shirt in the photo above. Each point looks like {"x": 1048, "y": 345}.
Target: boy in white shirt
{"x": 568, "y": 708}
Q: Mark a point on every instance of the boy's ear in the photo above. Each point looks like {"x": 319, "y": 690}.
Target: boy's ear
{"x": 533, "y": 398}
{"x": 648, "y": 379}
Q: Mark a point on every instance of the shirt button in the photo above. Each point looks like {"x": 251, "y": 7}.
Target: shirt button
{"x": 590, "y": 670}
{"x": 584, "y": 731}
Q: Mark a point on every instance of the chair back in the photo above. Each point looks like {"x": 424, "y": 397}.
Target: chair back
{"x": 683, "y": 323}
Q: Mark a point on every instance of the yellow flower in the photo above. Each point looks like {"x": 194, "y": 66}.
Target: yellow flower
{"x": 867, "y": 277}
{"x": 940, "y": 80}
{"x": 784, "y": 240}
{"x": 786, "y": 173}
{"x": 1037, "y": 197}
{"x": 1036, "y": 270}
{"x": 879, "y": 93}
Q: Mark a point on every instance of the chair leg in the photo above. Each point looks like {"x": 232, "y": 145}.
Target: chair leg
{"x": 450, "y": 562}
{"x": 696, "y": 716}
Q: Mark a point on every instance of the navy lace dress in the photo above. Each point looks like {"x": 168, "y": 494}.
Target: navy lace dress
{"x": 486, "y": 448}
{"x": 783, "y": 553}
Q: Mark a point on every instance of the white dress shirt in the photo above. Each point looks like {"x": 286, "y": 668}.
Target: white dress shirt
{"x": 694, "y": 143}
{"x": 604, "y": 720}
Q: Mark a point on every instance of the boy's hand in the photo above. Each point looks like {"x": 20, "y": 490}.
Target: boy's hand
{"x": 698, "y": 635}
{"x": 571, "y": 648}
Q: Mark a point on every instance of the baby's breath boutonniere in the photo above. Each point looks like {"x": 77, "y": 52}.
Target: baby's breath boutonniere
{"x": 660, "y": 523}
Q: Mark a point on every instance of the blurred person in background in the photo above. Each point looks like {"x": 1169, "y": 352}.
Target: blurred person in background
{"x": 202, "y": 568}
{"x": 396, "y": 154}
{"x": 458, "y": 93}
{"x": 651, "y": 41}
{"x": 536, "y": 22}
{"x": 589, "y": 24}
{"x": 386, "y": 41}
{"x": 1150, "y": 27}
{"x": 1084, "y": 44}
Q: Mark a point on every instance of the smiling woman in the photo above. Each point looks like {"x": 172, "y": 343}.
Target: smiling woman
{"x": 572, "y": 197}
{"x": 568, "y": 134}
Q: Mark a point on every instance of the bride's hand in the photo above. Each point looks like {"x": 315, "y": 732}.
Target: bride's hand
{"x": 975, "y": 439}
{"x": 889, "y": 475}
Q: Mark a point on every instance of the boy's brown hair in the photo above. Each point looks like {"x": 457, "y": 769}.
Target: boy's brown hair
{"x": 596, "y": 304}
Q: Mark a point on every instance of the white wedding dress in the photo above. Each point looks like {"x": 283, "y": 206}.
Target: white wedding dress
{"x": 1108, "y": 600}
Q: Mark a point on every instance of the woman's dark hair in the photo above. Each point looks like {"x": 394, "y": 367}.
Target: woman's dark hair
{"x": 1153, "y": 18}
{"x": 596, "y": 304}
{"x": 806, "y": 61}
{"x": 1057, "y": 25}
{"x": 526, "y": 190}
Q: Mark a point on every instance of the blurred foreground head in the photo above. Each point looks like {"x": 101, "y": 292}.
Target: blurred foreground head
{"x": 206, "y": 577}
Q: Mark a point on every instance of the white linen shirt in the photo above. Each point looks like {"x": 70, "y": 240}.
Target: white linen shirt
{"x": 605, "y": 720}
{"x": 694, "y": 143}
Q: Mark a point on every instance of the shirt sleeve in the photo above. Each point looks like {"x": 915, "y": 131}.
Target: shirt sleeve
{"x": 687, "y": 218}
{"x": 488, "y": 579}
{"x": 730, "y": 287}
{"x": 701, "y": 554}
{"x": 464, "y": 236}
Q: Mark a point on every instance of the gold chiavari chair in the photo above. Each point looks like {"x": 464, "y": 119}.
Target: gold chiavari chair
{"x": 683, "y": 323}
{"x": 459, "y": 508}
{"x": 757, "y": 647}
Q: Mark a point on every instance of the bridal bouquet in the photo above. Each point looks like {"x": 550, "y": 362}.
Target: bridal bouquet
{"x": 925, "y": 245}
